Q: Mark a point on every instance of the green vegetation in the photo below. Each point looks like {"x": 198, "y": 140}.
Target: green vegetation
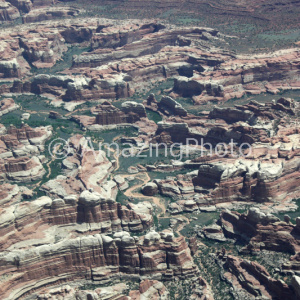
{"x": 179, "y": 290}
{"x": 133, "y": 284}
{"x": 12, "y": 118}
{"x": 154, "y": 116}
{"x": 203, "y": 219}
{"x": 212, "y": 272}
{"x": 121, "y": 198}
{"x": 163, "y": 223}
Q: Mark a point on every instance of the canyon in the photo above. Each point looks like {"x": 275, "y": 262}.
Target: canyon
{"x": 149, "y": 157}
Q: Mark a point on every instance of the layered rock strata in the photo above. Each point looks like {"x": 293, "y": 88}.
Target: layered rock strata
{"x": 252, "y": 280}
{"x": 23, "y": 141}
{"x": 261, "y": 231}
{"x": 37, "y": 15}
{"x": 266, "y": 170}
{"x": 85, "y": 168}
{"x": 20, "y": 149}
{"x": 243, "y": 75}
{"x": 20, "y": 221}
{"x": 107, "y": 114}
{"x": 8, "y": 12}
{"x": 7, "y": 105}
{"x": 97, "y": 257}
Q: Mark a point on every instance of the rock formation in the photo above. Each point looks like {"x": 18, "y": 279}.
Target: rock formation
{"x": 133, "y": 107}
{"x": 12, "y": 193}
{"x": 20, "y": 158}
{"x": 23, "y": 6}
{"x": 251, "y": 278}
{"x": 150, "y": 289}
{"x": 98, "y": 258}
{"x": 74, "y": 218}
{"x": 8, "y": 12}
{"x": 107, "y": 114}
{"x": 85, "y": 168}
{"x": 172, "y": 105}
{"x": 23, "y": 169}
{"x": 37, "y": 15}
{"x": 95, "y": 213}
{"x": 7, "y": 105}
{"x": 261, "y": 231}
{"x": 9, "y": 68}
{"x": 250, "y": 75}
{"x": 16, "y": 142}
{"x": 150, "y": 189}
{"x": 246, "y": 180}
{"x": 267, "y": 170}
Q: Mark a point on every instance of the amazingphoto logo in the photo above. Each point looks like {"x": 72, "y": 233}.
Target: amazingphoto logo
{"x": 60, "y": 148}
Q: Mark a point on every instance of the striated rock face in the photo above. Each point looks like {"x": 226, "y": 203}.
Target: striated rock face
{"x": 231, "y": 115}
{"x": 114, "y": 37}
{"x": 11, "y": 194}
{"x": 177, "y": 131}
{"x": 43, "y": 83}
{"x": 19, "y": 153}
{"x": 107, "y": 114}
{"x": 22, "y": 5}
{"x": 250, "y": 180}
{"x": 19, "y": 222}
{"x": 254, "y": 111}
{"x": 92, "y": 208}
{"x": 77, "y": 34}
{"x": 249, "y": 123}
{"x": 136, "y": 72}
{"x": 150, "y": 289}
{"x": 8, "y": 12}
{"x": 213, "y": 232}
{"x": 24, "y": 141}
{"x": 69, "y": 293}
{"x": 21, "y": 169}
{"x": 41, "y": 50}
{"x": 267, "y": 170}
{"x": 167, "y": 187}
{"x": 7, "y": 105}
{"x": 242, "y": 75}
{"x": 86, "y": 89}
{"x": 37, "y": 15}
{"x": 133, "y": 41}
{"x": 121, "y": 182}
{"x": 38, "y": 46}
{"x": 9, "y": 69}
{"x": 251, "y": 278}
{"x": 171, "y": 104}
{"x": 96, "y": 257}
{"x": 84, "y": 169}
{"x": 261, "y": 231}
{"x": 126, "y": 56}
